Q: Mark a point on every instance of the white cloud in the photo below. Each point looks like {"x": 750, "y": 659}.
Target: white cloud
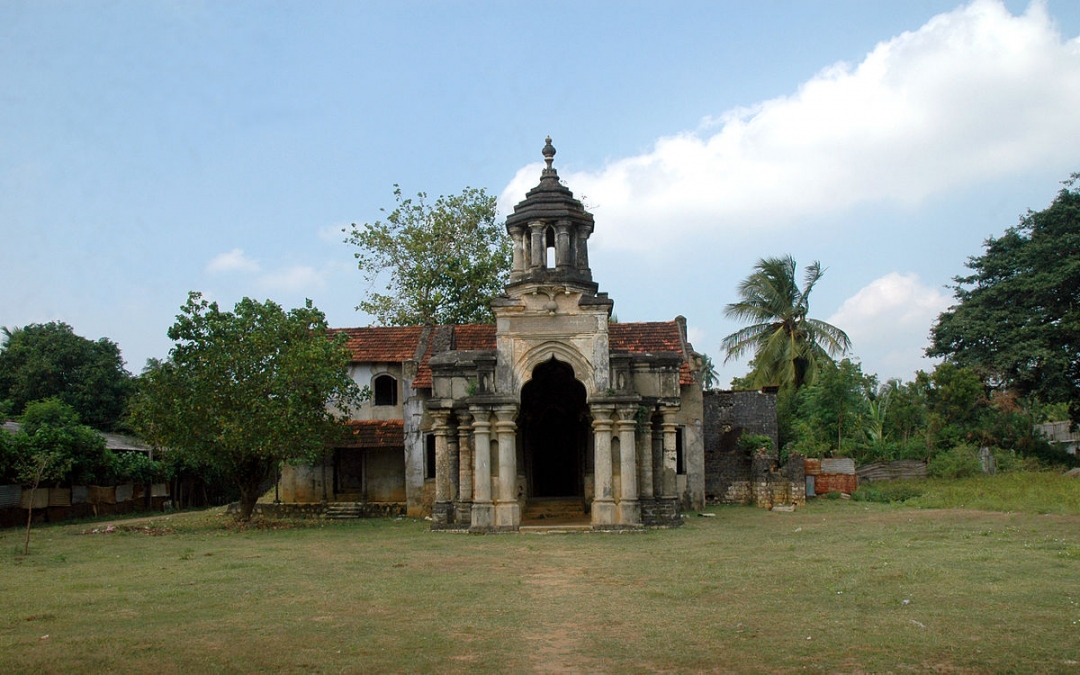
{"x": 888, "y": 322}
{"x": 696, "y": 336}
{"x": 296, "y": 279}
{"x": 332, "y": 234}
{"x": 973, "y": 94}
{"x": 233, "y": 261}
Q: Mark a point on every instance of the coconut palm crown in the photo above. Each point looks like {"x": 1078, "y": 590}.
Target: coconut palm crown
{"x": 788, "y": 345}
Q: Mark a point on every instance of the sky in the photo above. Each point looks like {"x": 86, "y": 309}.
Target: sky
{"x": 149, "y": 148}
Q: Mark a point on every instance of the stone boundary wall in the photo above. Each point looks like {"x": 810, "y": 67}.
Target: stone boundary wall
{"x": 318, "y": 510}
{"x": 735, "y": 476}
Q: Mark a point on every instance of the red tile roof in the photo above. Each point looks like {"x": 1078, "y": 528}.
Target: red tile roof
{"x": 398, "y": 344}
{"x": 376, "y": 433}
{"x": 382, "y": 344}
{"x": 465, "y": 337}
{"x": 650, "y": 337}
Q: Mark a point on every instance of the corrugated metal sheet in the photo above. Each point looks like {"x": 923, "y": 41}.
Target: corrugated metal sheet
{"x": 59, "y": 497}
{"x": 124, "y": 493}
{"x": 159, "y": 490}
{"x": 845, "y": 465}
{"x": 39, "y": 497}
{"x": 10, "y": 495}
{"x": 812, "y": 466}
{"x": 80, "y": 494}
{"x": 101, "y": 495}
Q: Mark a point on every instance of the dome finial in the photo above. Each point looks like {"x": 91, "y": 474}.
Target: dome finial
{"x": 549, "y": 154}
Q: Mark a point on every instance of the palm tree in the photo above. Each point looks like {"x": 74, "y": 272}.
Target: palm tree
{"x": 787, "y": 344}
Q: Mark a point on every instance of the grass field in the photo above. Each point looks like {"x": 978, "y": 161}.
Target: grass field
{"x": 839, "y": 586}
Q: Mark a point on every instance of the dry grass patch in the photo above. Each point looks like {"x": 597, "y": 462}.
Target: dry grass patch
{"x": 838, "y": 586}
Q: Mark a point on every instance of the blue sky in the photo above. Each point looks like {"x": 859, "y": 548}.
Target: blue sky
{"x": 151, "y": 148}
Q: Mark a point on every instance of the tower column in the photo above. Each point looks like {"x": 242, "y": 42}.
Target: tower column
{"x": 483, "y": 511}
{"x": 537, "y": 258}
{"x": 562, "y": 245}
{"x": 507, "y": 509}
{"x": 517, "y": 234}
{"x": 603, "y": 504}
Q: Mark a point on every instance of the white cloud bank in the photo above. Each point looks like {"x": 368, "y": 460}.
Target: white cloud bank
{"x": 888, "y": 322}
{"x": 973, "y": 94}
{"x": 233, "y": 261}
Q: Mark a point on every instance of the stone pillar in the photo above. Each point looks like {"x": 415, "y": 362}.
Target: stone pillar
{"x": 465, "y": 459}
{"x": 452, "y": 462}
{"x": 442, "y": 509}
{"x": 507, "y": 509}
{"x": 517, "y": 234}
{"x": 483, "y": 511}
{"x": 646, "y": 455}
{"x": 562, "y": 245}
{"x": 670, "y": 486}
{"x": 582, "y": 262}
{"x": 629, "y": 511}
{"x": 537, "y": 257}
{"x": 603, "y": 504}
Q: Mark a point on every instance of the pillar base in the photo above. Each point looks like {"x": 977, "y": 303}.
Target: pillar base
{"x": 463, "y": 513}
{"x": 442, "y": 513}
{"x": 507, "y": 515}
{"x": 483, "y": 517}
{"x": 629, "y": 512}
{"x": 603, "y": 512}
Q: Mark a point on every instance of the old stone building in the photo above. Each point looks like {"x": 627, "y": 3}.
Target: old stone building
{"x": 483, "y": 427}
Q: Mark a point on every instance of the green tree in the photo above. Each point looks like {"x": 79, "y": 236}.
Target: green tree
{"x": 709, "y": 378}
{"x": 833, "y": 411}
{"x": 438, "y": 263}
{"x": 243, "y": 391}
{"x": 52, "y": 426}
{"x": 788, "y": 345}
{"x": 49, "y": 444}
{"x": 1017, "y": 317}
{"x": 40, "y": 361}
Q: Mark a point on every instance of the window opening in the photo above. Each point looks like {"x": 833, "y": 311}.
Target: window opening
{"x": 429, "y": 456}
{"x": 385, "y": 390}
{"x": 680, "y": 456}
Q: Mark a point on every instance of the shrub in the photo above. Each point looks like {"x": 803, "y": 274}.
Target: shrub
{"x": 751, "y": 442}
{"x": 961, "y": 461}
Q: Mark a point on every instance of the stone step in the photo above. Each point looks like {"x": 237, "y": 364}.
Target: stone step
{"x": 343, "y": 510}
{"x": 554, "y": 509}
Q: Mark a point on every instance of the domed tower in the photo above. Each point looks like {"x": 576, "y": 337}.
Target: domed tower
{"x": 550, "y": 230}
{"x": 551, "y": 308}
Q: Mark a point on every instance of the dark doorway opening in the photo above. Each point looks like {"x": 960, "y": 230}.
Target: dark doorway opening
{"x": 554, "y": 423}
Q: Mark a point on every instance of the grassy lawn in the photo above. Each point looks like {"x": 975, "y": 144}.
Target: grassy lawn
{"x": 838, "y": 586}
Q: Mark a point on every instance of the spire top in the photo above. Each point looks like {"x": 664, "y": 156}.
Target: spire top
{"x": 549, "y": 156}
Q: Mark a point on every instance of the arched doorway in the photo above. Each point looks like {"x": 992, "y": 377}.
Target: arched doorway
{"x": 554, "y": 423}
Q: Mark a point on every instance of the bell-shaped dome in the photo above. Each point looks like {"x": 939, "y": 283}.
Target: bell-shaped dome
{"x": 550, "y": 230}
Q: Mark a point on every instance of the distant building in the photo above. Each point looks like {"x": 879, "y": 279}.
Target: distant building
{"x": 1061, "y": 436}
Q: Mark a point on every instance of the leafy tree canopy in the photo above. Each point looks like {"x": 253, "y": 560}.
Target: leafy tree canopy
{"x": 40, "y": 361}
{"x": 438, "y": 263}
{"x": 787, "y": 344}
{"x": 1017, "y": 317}
{"x": 243, "y": 391}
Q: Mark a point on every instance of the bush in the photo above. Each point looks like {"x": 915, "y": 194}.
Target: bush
{"x": 960, "y": 462}
{"x": 9, "y": 458}
{"x": 751, "y": 442}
